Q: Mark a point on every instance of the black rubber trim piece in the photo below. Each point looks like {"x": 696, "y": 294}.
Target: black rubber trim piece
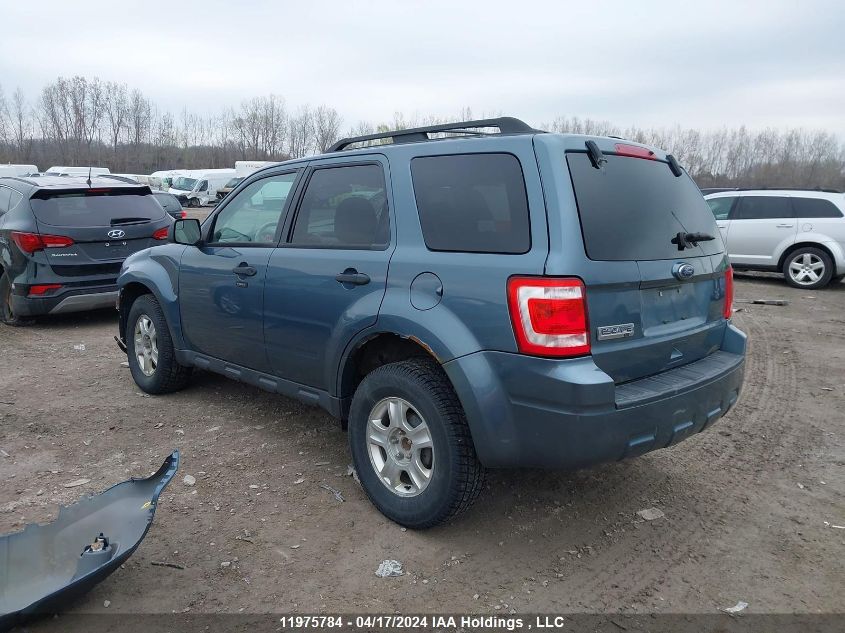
{"x": 675, "y": 381}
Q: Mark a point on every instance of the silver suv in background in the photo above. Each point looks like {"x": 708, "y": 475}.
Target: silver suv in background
{"x": 800, "y": 233}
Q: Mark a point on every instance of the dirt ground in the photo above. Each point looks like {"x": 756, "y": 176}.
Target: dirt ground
{"x": 749, "y": 505}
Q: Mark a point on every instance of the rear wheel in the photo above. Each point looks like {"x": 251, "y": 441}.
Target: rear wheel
{"x": 7, "y": 314}
{"x": 152, "y": 358}
{"x": 808, "y": 268}
{"x": 411, "y": 444}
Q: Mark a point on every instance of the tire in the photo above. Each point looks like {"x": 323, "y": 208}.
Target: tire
{"x": 194, "y": 203}
{"x": 160, "y": 373}
{"x": 808, "y": 268}
{"x": 434, "y": 418}
{"x": 7, "y": 315}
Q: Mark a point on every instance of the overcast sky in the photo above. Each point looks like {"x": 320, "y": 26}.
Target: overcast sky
{"x": 705, "y": 64}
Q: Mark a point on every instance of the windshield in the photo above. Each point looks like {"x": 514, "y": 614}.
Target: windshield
{"x": 233, "y": 183}
{"x": 631, "y": 208}
{"x": 81, "y": 208}
{"x": 185, "y": 184}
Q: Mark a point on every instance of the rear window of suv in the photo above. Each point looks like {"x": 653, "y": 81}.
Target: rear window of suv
{"x": 95, "y": 208}
{"x": 631, "y": 208}
{"x": 472, "y": 203}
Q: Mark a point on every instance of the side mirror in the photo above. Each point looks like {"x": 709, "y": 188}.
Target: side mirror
{"x": 186, "y": 232}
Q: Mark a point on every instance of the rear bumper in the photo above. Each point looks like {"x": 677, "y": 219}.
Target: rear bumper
{"x": 71, "y": 300}
{"x": 534, "y": 412}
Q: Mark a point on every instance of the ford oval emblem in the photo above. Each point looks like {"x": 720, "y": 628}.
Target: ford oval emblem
{"x": 683, "y": 271}
{"x": 116, "y": 234}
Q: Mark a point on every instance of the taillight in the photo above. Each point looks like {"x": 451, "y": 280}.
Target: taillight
{"x": 549, "y": 316}
{"x": 634, "y": 151}
{"x": 727, "y": 311}
{"x": 184, "y": 214}
{"x": 42, "y": 289}
{"x": 31, "y": 242}
{"x": 160, "y": 234}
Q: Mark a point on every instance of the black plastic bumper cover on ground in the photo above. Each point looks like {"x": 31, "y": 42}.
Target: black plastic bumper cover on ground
{"x": 45, "y": 567}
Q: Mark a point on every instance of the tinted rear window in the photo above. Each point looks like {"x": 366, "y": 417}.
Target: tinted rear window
{"x": 169, "y": 202}
{"x": 631, "y": 208}
{"x": 81, "y": 208}
{"x": 473, "y": 203}
{"x": 815, "y": 208}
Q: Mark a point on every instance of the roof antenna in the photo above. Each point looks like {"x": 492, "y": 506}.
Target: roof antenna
{"x": 89, "y": 177}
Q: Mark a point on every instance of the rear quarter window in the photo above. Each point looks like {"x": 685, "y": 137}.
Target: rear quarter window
{"x": 472, "y": 203}
{"x": 83, "y": 208}
{"x": 815, "y": 208}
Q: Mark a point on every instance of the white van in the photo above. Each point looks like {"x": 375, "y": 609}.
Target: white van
{"x": 167, "y": 176}
{"x": 57, "y": 170}
{"x": 18, "y": 170}
{"x": 198, "y": 187}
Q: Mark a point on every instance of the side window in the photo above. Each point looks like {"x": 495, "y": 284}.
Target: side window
{"x": 764, "y": 208}
{"x": 344, "y": 207}
{"x": 473, "y": 203}
{"x": 721, "y": 207}
{"x": 253, "y": 215}
{"x": 203, "y": 185}
{"x": 815, "y": 208}
{"x": 5, "y": 199}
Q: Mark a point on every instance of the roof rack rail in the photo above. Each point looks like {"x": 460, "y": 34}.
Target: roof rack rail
{"x": 814, "y": 189}
{"x": 506, "y": 125}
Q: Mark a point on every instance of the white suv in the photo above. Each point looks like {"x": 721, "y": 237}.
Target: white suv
{"x": 799, "y": 233}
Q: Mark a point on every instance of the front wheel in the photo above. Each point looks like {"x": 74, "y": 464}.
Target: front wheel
{"x": 411, "y": 444}
{"x": 152, "y": 358}
{"x": 808, "y": 268}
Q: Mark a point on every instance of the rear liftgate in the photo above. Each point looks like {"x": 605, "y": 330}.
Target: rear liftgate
{"x": 45, "y": 567}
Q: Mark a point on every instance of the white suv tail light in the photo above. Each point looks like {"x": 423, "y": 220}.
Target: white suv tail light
{"x": 549, "y": 316}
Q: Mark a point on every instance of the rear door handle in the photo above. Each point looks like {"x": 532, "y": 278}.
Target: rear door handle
{"x": 785, "y": 226}
{"x": 244, "y": 270}
{"x": 353, "y": 277}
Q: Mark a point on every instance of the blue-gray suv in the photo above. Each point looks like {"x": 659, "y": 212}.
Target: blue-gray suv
{"x": 466, "y": 296}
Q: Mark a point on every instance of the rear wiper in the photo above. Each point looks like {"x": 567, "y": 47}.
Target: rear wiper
{"x": 119, "y": 221}
{"x": 690, "y": 240}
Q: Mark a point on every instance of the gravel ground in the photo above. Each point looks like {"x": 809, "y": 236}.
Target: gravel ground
{"x": 745, "y": 504}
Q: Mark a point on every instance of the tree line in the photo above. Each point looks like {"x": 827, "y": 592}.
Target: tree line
{"x": 82, "y": 121}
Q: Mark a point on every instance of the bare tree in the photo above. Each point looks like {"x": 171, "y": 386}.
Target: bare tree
{"x": 301, "y": 133}
{"x": 326, "y": 128}
{"x": 117, "y": 112}
{"x": 22, "y": 126}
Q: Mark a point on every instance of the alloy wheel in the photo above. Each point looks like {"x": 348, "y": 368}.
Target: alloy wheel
{"x": 400, "y": 447}
{"x": 146, "y": 345}
{"x": 806, "y": 269}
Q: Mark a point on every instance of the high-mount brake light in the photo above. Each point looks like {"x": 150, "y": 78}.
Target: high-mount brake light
{"x": 727, "y": 311}
{"x": 29, "y": 243}
{"x": 634, "y": 151}
{"x": 549, "y": 316}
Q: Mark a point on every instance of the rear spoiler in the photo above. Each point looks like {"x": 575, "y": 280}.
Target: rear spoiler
{"x": 46, "y": 194}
